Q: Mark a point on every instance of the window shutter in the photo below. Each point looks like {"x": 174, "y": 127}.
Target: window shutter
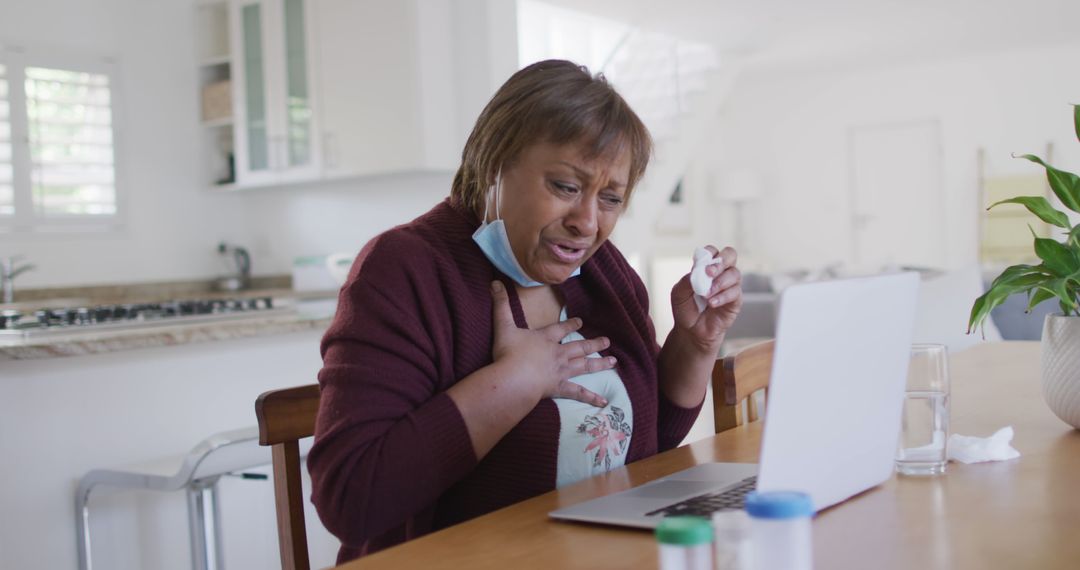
{"x": 7, "y": 185}
{"x": 69, "y": 119}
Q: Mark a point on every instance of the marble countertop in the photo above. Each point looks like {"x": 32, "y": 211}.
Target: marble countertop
{"x": 294, "y": 311}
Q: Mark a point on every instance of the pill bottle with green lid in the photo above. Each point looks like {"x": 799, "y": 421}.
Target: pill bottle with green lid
{"x": 685, "y": 543}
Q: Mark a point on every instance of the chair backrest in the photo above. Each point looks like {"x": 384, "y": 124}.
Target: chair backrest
{"x": 285, "y": 417}
{"x": 736, "y": 377}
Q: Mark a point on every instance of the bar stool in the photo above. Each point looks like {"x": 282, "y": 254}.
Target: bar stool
{"x": 198, "y": 473}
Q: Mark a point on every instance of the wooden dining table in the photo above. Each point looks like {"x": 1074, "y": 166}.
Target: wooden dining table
{"x": 1022, "y": 513}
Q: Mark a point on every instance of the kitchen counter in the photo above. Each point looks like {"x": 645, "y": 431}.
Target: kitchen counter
{"x": 163, "y": 334}
{"x": 294, "y": 312}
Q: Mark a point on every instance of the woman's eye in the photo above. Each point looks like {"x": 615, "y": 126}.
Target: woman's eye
{"x": 613, "y": 201}
{"x": 565, "y": 187}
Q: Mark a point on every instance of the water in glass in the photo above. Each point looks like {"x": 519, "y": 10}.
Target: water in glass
{"x": 924, "y": 433}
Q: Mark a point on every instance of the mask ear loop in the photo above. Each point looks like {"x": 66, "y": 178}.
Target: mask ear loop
{"x": 487, "y": 199}
{"x": 498, "y": 194}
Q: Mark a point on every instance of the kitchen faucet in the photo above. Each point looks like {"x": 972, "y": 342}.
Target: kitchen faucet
{"x": 8, "y": 272}
{"x": 242, "y": 263}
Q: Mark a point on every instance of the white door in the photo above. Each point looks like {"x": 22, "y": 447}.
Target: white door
{"x": 896, "y": 195}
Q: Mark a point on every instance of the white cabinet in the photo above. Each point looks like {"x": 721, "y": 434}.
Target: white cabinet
{"x": 273, "y": 92}
{"x": 329, "y": 89}
{"x": 387, "y": 91}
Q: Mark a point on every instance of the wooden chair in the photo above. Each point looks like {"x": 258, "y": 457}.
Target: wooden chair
{"x": 285, "y": 417}
{"x": 736, "y": 377}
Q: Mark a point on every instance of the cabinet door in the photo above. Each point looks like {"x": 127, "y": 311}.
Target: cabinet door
{"x": 299, "y": 129}
{"x": 369, "y": 84}
{"x": 276, "y": 140}
{"x": 251, "y": 90}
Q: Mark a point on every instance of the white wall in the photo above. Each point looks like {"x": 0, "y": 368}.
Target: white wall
{"x": 341, "y": 216}
{"x": 793, "y": 127}
{"x": 172, "y": 223}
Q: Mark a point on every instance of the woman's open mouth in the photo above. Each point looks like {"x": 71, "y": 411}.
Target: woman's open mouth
{"x": 567, "y": 252}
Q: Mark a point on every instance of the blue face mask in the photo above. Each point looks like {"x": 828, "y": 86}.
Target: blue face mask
{"x": 493, "y": 241}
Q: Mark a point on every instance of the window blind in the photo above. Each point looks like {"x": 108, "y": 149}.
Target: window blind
{"x": 7, "y": 185}
{"x": 69, "y": 120}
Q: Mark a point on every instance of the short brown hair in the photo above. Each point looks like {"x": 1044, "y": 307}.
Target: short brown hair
{"x": 553, "y": 101}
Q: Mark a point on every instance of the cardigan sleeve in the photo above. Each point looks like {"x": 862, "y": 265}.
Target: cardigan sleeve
{"x": 388, "y": 441}
{"x": 673, "y": 422}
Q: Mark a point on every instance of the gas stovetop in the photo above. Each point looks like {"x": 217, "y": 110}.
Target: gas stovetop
{"x": 73, "y": 320}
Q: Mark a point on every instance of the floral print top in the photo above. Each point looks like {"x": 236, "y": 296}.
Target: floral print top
{"x": 593, "y": 440}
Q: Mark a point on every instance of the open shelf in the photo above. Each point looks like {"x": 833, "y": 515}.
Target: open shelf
{"x": 215, "y": 60}
{"x": 222, "y": 122}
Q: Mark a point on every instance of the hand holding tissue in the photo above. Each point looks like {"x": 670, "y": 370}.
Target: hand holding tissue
{"x": 705, "y": 303}
{"x": 700, "y": 280}
{"x": 967, "y": 449}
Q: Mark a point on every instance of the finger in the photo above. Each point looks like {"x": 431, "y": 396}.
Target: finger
{"x": 730, "y": 256}
{"x": 557, "y": 331}
{"x": 715, "y": 265}
{"x": 729, "y": 278}
{"x": 500, "y": 306}
{"x": 583, "y": 348}
{"x": 727, "y": 296}
{"x": 580, "y": 366}
{"x": 568, "y": 389}
{"x": 682, "y": 291}
{"x": 723, "y": 259}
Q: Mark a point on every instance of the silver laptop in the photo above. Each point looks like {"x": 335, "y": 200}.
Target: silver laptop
{"x": 833, "y": 416}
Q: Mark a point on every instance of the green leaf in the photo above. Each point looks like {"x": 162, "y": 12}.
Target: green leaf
{"x": 1016, "y": 271}
{"x": 1059, "y": 289}
{"x": 1019, "y": 283}
{"x": 1040, "y": 207}
{"x": 1012, "y": 272}
{"x": 1065, "y": 185}
{"x": 1076, "y": 120}
{"x": 979, "y": 311}
{"x": 1074, "y": 236}
{"x": 1058, "y": 258}
{"x": 1004, "y": 286}
{"x": 1038, "y": 296}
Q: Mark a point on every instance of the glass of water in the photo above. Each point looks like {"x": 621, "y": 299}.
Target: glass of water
{"x": 925, "y": 423}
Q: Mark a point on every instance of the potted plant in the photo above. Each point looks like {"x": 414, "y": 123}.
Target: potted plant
{"x": 1057, "y": 277}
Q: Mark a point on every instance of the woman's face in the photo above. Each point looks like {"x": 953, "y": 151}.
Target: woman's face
{"x": 559, "y": 207}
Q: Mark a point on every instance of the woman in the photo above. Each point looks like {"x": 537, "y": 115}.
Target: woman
{"x": 499, "y": 346}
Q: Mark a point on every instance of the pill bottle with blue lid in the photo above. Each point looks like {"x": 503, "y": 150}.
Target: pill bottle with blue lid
{"x": 780, "y": 530}
{"x": 685, "y": 543}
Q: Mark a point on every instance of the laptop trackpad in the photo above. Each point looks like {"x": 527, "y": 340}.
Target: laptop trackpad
{"x": 672, "y": 489}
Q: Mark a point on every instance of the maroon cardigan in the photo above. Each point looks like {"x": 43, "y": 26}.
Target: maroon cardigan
{"x": 392, "y": 458}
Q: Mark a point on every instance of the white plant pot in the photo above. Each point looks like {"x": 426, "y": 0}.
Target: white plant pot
{"x": 1061, "y": 367}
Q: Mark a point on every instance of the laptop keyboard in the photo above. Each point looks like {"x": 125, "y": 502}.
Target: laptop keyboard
{"x": 709, "y": 503}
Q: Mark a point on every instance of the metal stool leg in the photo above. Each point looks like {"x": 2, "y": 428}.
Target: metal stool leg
{"x": 204, "y": 525}
{"x": 215, "y": 508}
{"x": 82, "y": 524}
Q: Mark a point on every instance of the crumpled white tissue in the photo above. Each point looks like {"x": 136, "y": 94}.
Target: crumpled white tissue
{"x": 968, "y": 449}
{"x": 699, "y": 279}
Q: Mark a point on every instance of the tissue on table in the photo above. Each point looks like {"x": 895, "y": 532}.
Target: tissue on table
{"x": 699, "y": 278}
{"x": 967, "y": 449}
